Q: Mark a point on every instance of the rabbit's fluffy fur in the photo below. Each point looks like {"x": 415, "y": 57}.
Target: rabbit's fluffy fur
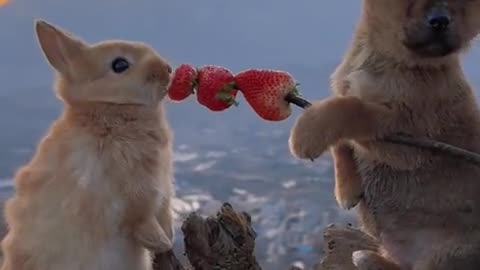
{"x": 97, "y": 192}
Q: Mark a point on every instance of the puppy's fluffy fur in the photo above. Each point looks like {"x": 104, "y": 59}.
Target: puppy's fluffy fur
{"x": 400, "y": 77}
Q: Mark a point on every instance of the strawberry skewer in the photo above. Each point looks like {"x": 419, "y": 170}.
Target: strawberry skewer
{"x": 184, "y": 81}
{"x": 266, "y": 90}
{"x": 270, "y": 93}
{"x": 215, "y": 88}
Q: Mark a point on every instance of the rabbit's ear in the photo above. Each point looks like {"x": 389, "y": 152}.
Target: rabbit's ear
{"x": 58, "y": 46}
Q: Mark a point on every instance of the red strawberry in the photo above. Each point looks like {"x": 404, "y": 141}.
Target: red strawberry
{"x": 215, "y": 88}
{"x": 265, "y": 90}
{"x": 183, "y": 82}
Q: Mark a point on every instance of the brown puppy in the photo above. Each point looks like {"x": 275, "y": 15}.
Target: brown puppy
{"x": 96, "y": 195}
{"x": 403, "y": 73}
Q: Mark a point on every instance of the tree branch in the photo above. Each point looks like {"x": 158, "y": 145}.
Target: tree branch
{"x": 338, "y": 245}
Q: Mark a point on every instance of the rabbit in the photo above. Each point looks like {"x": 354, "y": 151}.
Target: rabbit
{"x": 97, "y": 192}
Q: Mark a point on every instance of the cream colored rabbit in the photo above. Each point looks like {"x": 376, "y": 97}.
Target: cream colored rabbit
{"x": 97, "y": 193}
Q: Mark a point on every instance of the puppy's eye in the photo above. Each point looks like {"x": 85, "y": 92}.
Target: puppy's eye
{"x": 120, "y": 64}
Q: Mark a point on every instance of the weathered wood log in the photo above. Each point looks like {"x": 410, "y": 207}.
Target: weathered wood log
{"x": 339, "y": 242}
{"x": 227, "y": 242}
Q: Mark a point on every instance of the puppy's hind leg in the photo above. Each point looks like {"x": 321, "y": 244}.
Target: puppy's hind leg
{"x": 462, "y": 256}
{"x": 348, "y": 183}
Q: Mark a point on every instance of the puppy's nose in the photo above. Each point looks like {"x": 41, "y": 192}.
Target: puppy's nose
{"x": 439, "y": 23}
{"x": 439, "y": 19}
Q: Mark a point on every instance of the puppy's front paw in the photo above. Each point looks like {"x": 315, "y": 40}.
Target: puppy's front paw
{"x": 151, "y": 235}
{"x": 309, "y": 137}
{"x": 304, "y": 147}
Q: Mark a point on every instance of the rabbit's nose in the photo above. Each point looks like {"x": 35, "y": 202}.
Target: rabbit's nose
{"x": 159, "y": 71}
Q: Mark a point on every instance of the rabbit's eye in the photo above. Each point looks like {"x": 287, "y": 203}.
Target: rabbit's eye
{"x": 120, "y": 64}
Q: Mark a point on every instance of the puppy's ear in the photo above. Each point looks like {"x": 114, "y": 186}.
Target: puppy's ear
{"x": 58, "y": 46}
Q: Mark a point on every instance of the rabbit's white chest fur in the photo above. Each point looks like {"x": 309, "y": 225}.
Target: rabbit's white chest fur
{"x": 76, "y": 218}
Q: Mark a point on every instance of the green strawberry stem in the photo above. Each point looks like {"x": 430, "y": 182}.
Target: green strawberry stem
{"x": 227, "y": 98}
{"x": 194, "y": 86}
{"x": 226, "y": 94}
